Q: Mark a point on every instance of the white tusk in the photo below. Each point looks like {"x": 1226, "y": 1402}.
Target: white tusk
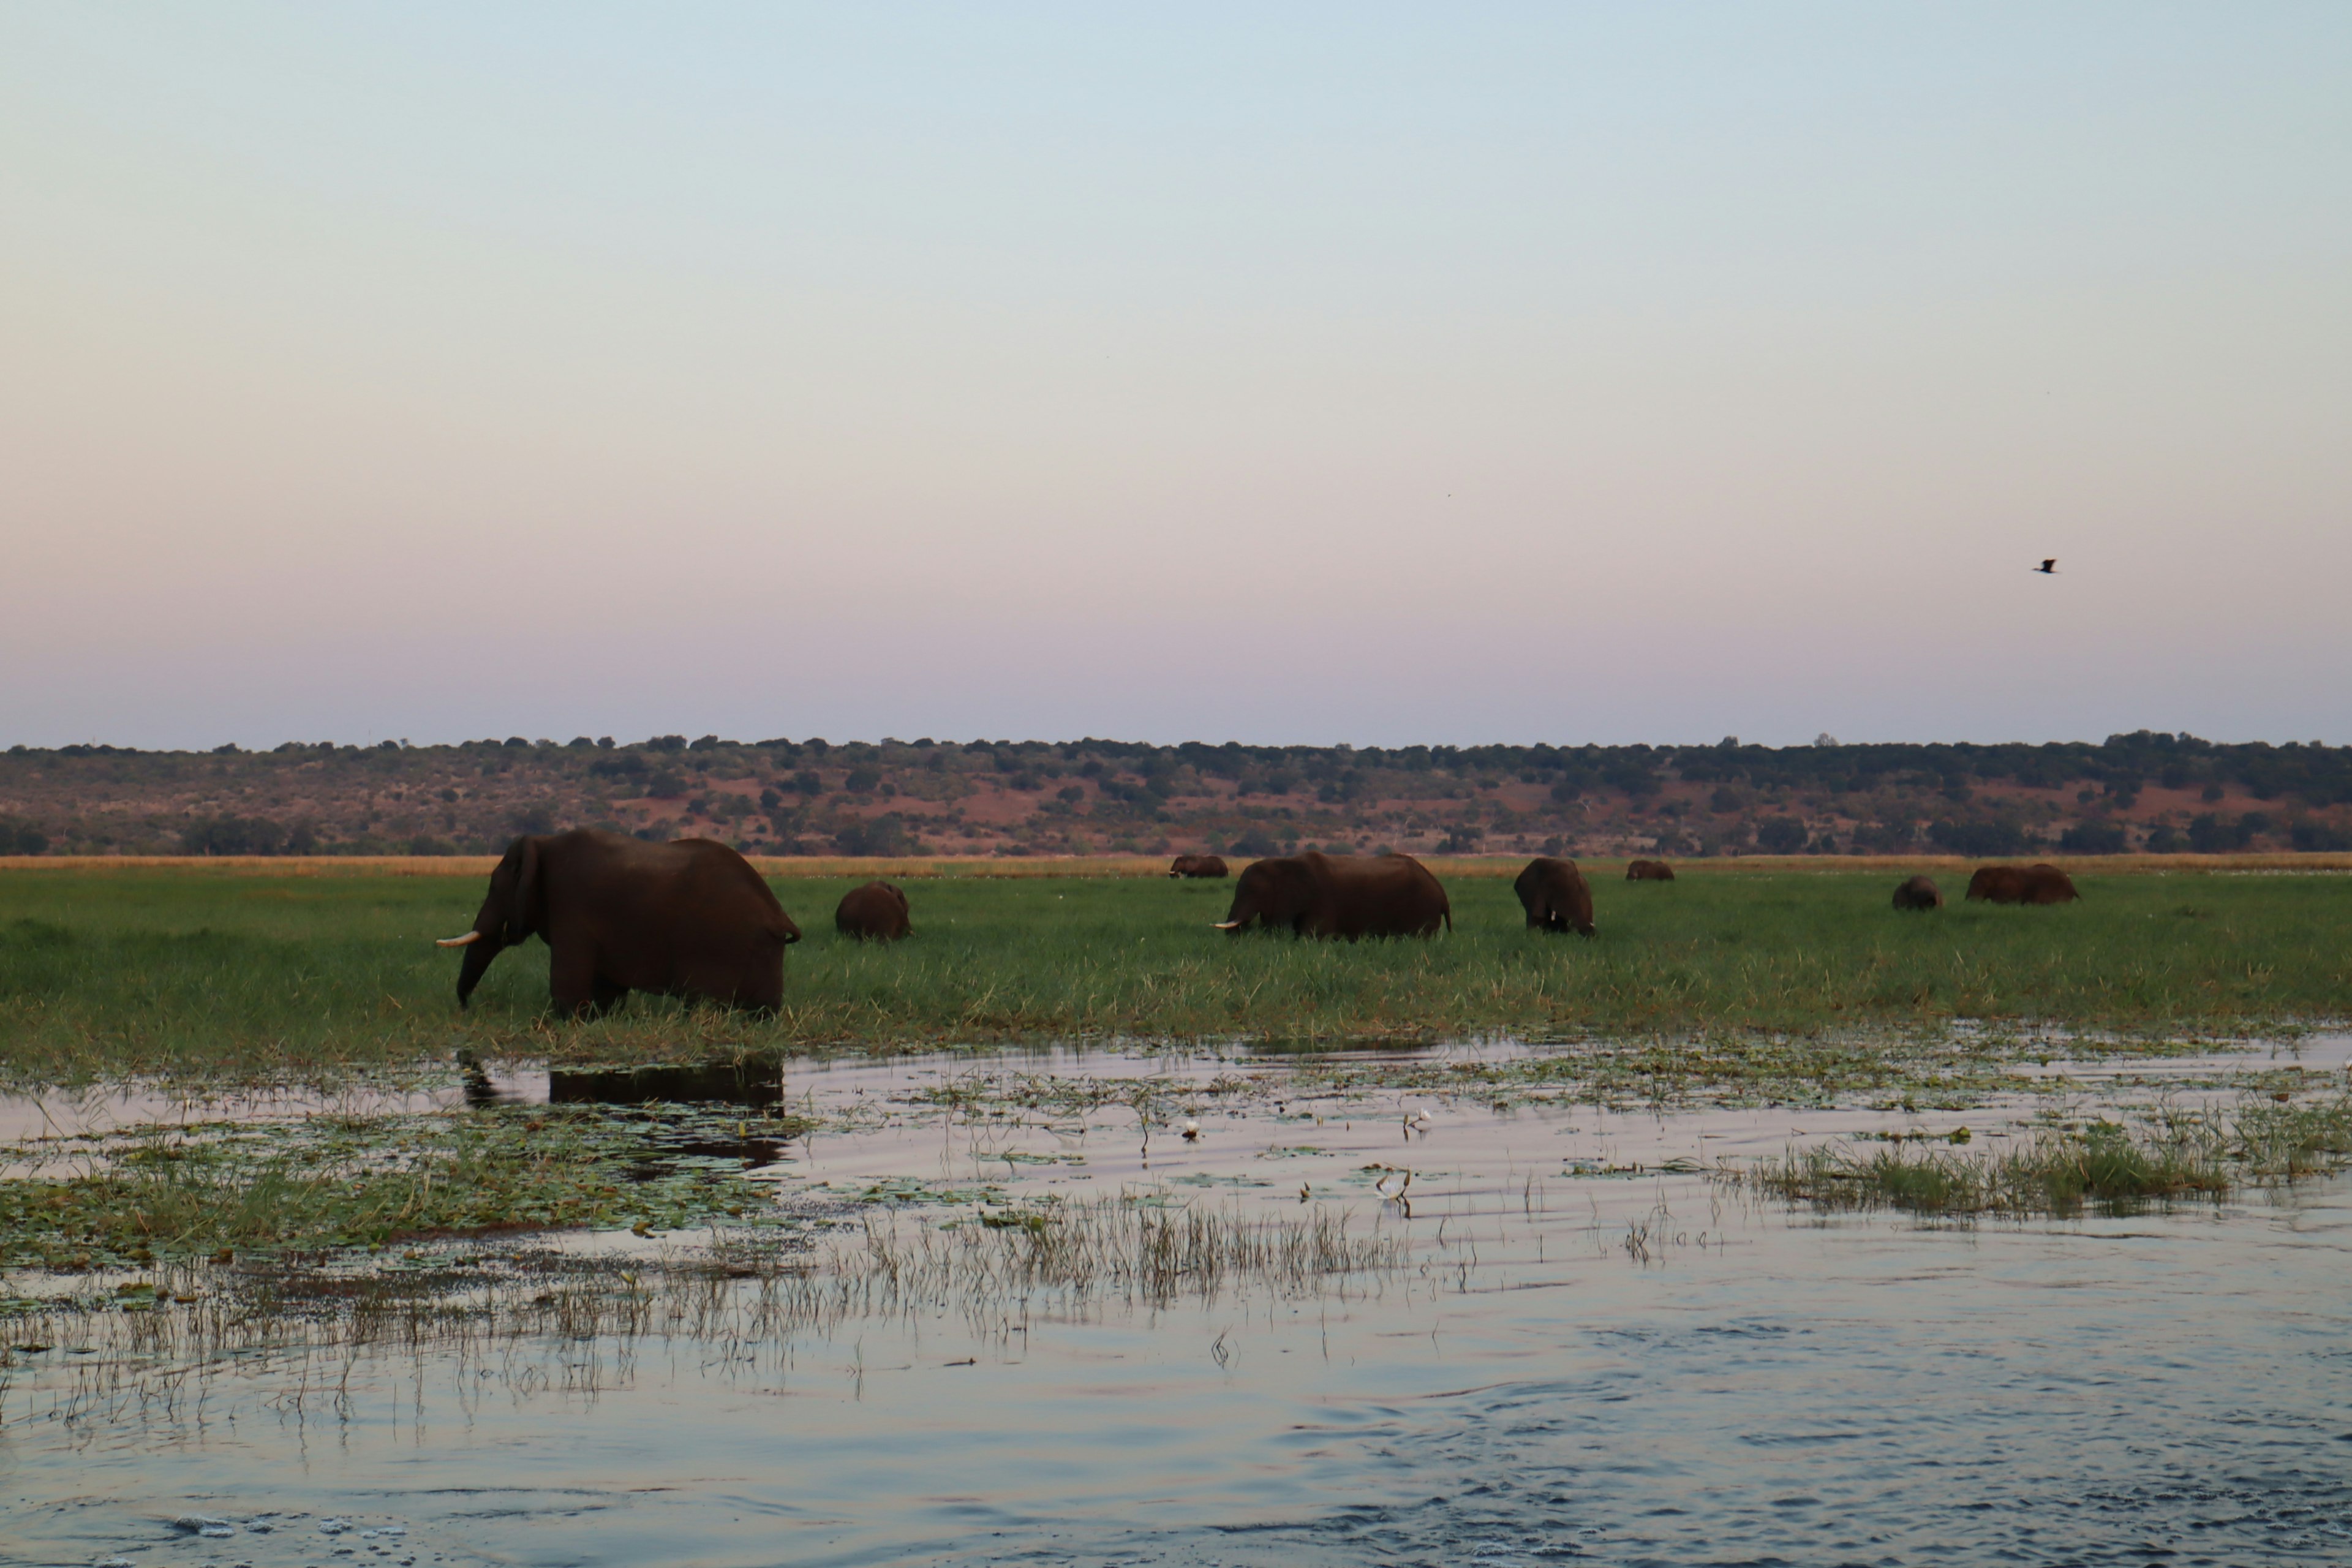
{"x": 467, "y": 939}
{"x": 1229, "y": 925}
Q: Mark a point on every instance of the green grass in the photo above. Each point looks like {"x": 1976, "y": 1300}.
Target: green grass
{"x": 2107, "y": 1166}
{"x": 226, "y": 975}
{"x": 164, "y": 1193}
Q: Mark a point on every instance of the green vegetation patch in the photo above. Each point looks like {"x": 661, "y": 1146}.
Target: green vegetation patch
{"x": 157, "y": 1194}
{"x": 2110, "y": 1166}
{"x": 205, "y": 977}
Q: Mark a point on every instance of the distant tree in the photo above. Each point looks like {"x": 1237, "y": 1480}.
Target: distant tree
{"x": 666, "y": 785}
{"x": 231, "y": 836}
{"x": 886, "y": 835}
{"x": 18, "y": 836}
{"x": 1781, "y": 835}
{"x": 1253, "y": 845}
{"x": 806, "y": 783}
{"x": 534, "y": 817}
{"x": 2093, "y": 838}
{"x": 2311, "y": 837}
{"x": 861, "y": 780}
{"x": 1978, "y": 839}
{"x": 2208, "y": 835}
{"x": 2165, "y": 839}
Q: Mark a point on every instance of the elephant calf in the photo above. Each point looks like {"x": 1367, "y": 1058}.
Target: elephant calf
{"x": 1554, "y": 895}
{"x": 875, "y": 913}
{"x": 1919, "y": 893}
{"x": 1648, "y": 871}
{"x": 1198, "y": 866}
{"x": 689, "y": 917}
{"x": 1316, "y": 894}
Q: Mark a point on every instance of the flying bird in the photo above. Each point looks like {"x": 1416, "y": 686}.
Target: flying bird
{"x": 2049, "y": 568}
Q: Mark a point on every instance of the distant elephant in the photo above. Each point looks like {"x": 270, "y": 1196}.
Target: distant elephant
{"x": 1648, "y": 871}
{"x": 1352, "y": 896}
{"x": 689, "y": 917}
{"x": 1998, "y": 884}
{"x": 1198, "y": 866}
{"x": 2045, "y": 884}
{"x": 1919, "y": 893}
{"x": 875, "y": 913}
{"x": 1554, "y": 894}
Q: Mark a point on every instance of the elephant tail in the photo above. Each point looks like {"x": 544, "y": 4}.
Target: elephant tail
{"x": 1448, "y": 912}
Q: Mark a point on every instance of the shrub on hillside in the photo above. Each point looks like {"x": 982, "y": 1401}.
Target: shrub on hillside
{"x": 886, "y": 835}
{"x": 18, "y": 836}
{"x": 2093, "y": 838}
{"x": 1978, "y": 840}
{"x": 231, "y": 836}
{"x": 2311, "y": 837}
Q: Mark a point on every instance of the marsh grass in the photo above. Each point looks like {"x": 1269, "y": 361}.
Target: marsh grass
{"x": 1146, "y": 1253}
{"x": 252, "y": 977}
{"x": 145, "y": 1348}
{"x": 156, "y": 1195}
{"x": 2109, "y": 1166}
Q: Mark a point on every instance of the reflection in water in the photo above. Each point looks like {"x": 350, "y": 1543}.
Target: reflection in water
{"x": 752, "y": 1082}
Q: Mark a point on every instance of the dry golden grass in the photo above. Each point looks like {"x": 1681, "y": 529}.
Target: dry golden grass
{"x": 1116, "y": 866}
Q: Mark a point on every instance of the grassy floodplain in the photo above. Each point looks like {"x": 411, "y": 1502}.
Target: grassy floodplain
{"x": 245, "y": 973}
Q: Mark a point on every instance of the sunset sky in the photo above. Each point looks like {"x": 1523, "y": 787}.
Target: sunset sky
{"x": 1315, "y": 373}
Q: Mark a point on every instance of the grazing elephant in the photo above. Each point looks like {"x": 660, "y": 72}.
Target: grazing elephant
{"x": 1919, "y": 893}
{"x": 1648, "y": 871}
{"x": 1198, "y": 866}
{"x": 1998, "y": 884}
{"x": 1316, "y": 894}
{"x": 2045, "y": 884}
{"x": 686, "y": 919}
{"x": 875, "y": 913}
{"x": 1554, "y": 894}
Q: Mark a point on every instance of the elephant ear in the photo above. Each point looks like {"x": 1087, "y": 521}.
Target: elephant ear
{"x": 529, "y": 906}
{"x": 1300, "y": 887}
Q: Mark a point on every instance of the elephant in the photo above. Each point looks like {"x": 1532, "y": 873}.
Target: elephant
{"x": 1198, "y": 866}
{"x": 1554, "y": 893}
{"x": 1316, "y": 894}
{"x": 875, "y": 913}
{"x": 1648, "y": 871}
{"x": 1998, "y": 884}
{"x": 1919, "y": 893}
{"x": 2040, "y": 883}
{"x": 2046, "y": 884}
{"x": 689, "y": 917}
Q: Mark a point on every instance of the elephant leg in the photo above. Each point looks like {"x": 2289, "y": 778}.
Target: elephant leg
{"x": 572, "y": 978}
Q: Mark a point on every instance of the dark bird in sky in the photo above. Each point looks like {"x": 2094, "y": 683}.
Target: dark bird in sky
{"x": 2049, "y": 568}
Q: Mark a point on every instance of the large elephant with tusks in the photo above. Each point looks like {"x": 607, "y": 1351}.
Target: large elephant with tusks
{"x": 1316, "y": 894}
{"x": 689, "y": 917}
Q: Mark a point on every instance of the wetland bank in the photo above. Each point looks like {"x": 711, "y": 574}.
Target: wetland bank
{"x": 1766, "y": 1223}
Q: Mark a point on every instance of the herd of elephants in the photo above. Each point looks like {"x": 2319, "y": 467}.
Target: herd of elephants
{"x": 693, "y": 919}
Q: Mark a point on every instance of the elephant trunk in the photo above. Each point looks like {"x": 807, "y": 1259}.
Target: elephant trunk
{"x": 478, "y": 962}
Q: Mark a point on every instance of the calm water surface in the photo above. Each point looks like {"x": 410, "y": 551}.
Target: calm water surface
{"x": 1627, "y": 1369}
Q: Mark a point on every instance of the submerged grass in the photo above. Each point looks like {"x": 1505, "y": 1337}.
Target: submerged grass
{"x": 214, "y": 974}
{"x": 2062, "y": 1170}
{"x": 160, "y": 1193}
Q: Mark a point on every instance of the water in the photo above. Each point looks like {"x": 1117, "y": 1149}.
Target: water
{"x": 1634, "y": 1368}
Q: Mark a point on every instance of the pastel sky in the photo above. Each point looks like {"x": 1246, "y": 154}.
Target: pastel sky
{"x": 1281, "y": 373}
